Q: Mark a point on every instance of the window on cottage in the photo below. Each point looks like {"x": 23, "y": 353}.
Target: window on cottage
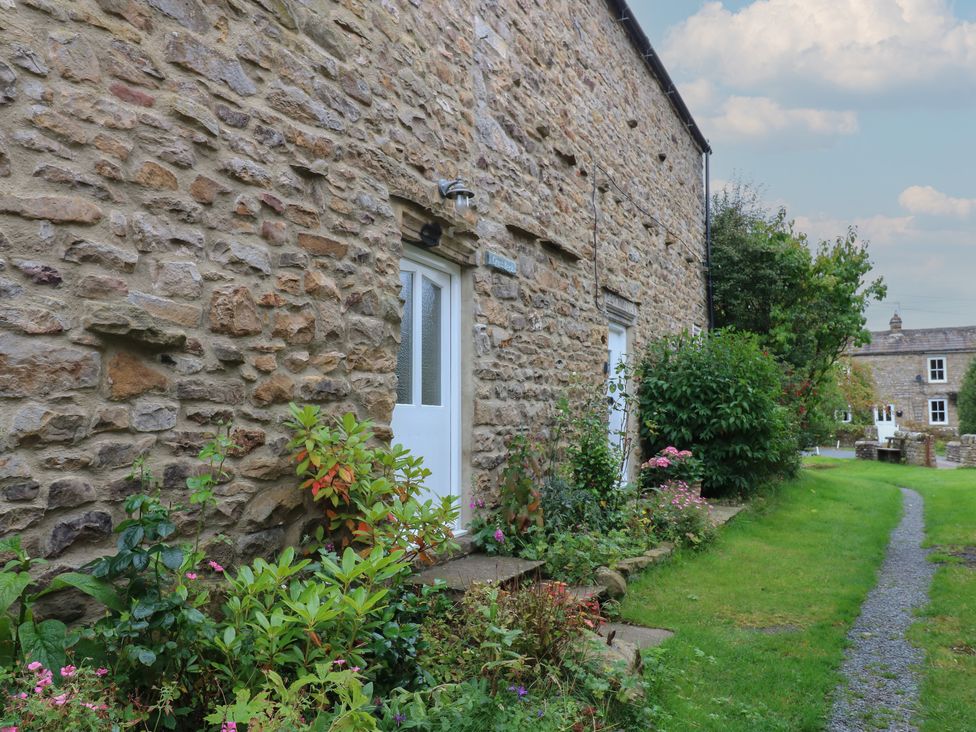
{"x": 843, "y": 415}
{"x": 937, "y": 369}
{"x": 937, "y": 411}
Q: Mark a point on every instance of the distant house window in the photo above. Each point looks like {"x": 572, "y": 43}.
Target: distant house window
{"x": 937, "y": 369}
{"x": 843, "y": 415}
{"x": 937, "y": 411}
{"x": 696, "y": 330}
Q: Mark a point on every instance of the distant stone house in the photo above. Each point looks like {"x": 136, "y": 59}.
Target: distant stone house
{"x": 210, "y": 209}
{"x": 918, "y": 373}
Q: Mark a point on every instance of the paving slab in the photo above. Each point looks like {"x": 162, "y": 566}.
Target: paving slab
{"x": 635, "y": 635}
{"x": 586, "y": 593}
{"x": 460, "y": 574}
{"x": 723, "y": 514}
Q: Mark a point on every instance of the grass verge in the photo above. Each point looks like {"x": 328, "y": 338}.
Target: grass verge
{"x": 761, "y": 616}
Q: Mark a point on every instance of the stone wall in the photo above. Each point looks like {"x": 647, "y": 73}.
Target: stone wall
{"x": 917, "y": 448}
{"x": 963, "y": 451}
{"x": 895, "y": 378}
{"x": 866, "y": 450}
{"x": 202, "y": 209}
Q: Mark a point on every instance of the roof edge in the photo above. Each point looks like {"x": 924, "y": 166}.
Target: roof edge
{"x": 656, "y": 67}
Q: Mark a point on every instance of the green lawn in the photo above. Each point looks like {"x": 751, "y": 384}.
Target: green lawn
{"x": 761, "y": 616}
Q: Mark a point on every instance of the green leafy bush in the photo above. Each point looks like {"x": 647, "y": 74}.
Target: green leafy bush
{"x": 720, "y": 395}
{"x": 371, "y": 492}
{"x": 680, "y": 515}
{"x": 966, "y": 401}
{"x": 574, "y": 556}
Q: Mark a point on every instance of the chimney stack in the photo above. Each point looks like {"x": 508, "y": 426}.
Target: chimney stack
{"x": 895, "y": 322}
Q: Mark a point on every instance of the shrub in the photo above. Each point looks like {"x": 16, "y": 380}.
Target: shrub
{"x": 719, "y": 394}
{"x": 295, "y": 615}
{"x": 371, "y": 492}
{"x": 66, "y": 698}
{"x": 574, "y": 556}
{"x": 670, "y": 464}
{"x": 680, "y": 515}
{"x": 503, "y": 636}
{"x": 966, "y": 401}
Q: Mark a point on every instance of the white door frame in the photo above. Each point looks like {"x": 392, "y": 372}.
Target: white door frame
{"x": 620, "y": 329}
{"x": 453, "y": 271}
{"x": 889, "y": 425}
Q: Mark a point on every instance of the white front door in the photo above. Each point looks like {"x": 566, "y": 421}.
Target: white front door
{"x": 616, "y": 354}
{"x": 426, "y": 415}
{"x": 884, "y": 419}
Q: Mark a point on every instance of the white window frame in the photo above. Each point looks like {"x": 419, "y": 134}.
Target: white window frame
{"x": 845, "y": 416}
{"x": 944, "y": 410}
{"x": 930, "y": 368}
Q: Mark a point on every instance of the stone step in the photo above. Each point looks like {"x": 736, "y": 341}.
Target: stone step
{"x": 635, "y": 635}
{"x": 723, "y": 514}
{"x": 588, "y": 593}
{"x": 652, "y": 556}
{"x": 460, "y": 574}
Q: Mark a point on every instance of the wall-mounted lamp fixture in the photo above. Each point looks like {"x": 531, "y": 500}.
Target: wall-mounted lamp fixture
{"x": 430, "y": 235}
{"x": 456, "y": 190}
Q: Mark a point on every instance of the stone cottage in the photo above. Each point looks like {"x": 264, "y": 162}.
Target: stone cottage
{"x": 918, "y": 373}
{"x": 426, "y": 213}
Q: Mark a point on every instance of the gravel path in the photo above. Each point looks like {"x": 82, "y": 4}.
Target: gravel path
{"x": 880, "y": 668}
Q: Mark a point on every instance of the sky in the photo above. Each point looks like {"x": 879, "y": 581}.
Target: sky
{"x": 846, "y": 112}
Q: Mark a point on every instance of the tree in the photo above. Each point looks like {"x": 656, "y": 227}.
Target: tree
{"x": 807, "y": 306}
{"x": 966, "y": 401}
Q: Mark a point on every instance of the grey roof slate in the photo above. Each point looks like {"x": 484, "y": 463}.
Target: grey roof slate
{"x": 919, "y": 340}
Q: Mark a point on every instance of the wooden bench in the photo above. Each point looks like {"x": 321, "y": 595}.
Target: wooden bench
{"x": 889, "y": 454}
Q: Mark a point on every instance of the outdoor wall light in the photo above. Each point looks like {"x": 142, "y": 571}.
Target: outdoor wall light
{"x": 456, "y": 190}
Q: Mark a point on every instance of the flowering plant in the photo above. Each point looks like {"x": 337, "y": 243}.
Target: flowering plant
{"x": 671, "y": 464}
{"x": 68, "y": 698}
{"x": 679, "y": 514}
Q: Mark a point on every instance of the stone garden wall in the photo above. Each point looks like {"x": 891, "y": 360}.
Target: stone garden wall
{"x": 962, "y": 451}
{"x": 202, "y": 208}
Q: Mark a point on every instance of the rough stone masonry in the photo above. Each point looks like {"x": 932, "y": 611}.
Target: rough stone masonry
{"x": 203, "y": 204}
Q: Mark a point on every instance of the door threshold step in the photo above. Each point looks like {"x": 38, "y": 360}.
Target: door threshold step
{"x": 460, "y": 574}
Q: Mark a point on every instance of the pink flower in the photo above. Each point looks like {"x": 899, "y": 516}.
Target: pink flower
{"x": 35, "y": 665}
{"x": 68, "y": 671}
{"x": 22, "y": 695}
{"x": 101, "y": 672}
{"x": 8, "y": 729}
{"x": 60, "y": 699}
{"x": 355, "y": 669}
{"x": 191, "y": 575}
{"x": 340, "y": 662}
{"x": 217, "y": 568}
{"x": 499, "y": 536}
{"x": 228, "y": 727}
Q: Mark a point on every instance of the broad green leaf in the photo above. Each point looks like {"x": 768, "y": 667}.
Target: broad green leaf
{"x": 12, "y": 586}
{"x": 172, "y": 557}
{"x": 102, "y": 591}
{"x": 43, "y": 642}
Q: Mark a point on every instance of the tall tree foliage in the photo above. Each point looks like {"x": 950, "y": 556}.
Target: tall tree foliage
{"x": 967, "y": 401}
{"x": 806, "y": 305}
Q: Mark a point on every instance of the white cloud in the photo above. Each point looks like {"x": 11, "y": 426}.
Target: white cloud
{"x": 928, "y": 200}
{"x": 879, "y": 230}
{"x": 854, "y": 46}
{"x": 756, "y": 118}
